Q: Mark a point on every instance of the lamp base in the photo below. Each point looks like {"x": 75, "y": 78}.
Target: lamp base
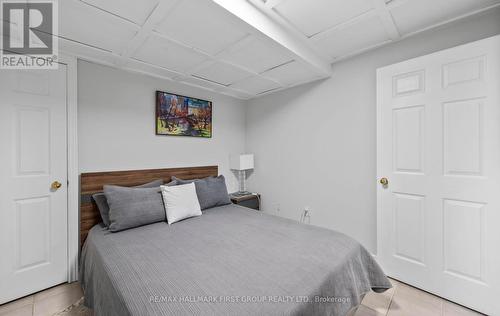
{"x": 241, "y": 193}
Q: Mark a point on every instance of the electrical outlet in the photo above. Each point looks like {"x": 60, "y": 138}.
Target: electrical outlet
{"x": 307, "y": 211}
{"x": 306, "y": 215}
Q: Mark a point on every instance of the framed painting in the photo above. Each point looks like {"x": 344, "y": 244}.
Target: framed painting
{"x": 178, "y": 115}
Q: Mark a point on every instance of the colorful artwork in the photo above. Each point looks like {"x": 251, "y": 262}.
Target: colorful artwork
{"x": 182, "y": 116}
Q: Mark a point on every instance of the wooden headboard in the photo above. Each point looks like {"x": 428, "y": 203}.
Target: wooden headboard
{"x": 91, "y": 183}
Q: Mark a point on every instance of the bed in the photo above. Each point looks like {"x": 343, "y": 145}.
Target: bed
{"x": 229, "y": 261}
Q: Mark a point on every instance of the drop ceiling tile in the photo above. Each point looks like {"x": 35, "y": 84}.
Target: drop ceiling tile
{"x": 411, "y": 16}
{"x": 167, "y": 54}
{"x": 291, "y": 73}
{"x": 353, "y": 37}
{"x": 88, "y": 25}
{"x": 241, "y": 95}
{"x": 237, "y": 93}
{"x": 256, "y": 85}
{"x": 142, "y": 67}
{"x": 222, "y": 73}
{"x": 86, "y": 52}
{"x": 202, "y": 24}
{"x": 257, "y": 55}
{"x": 202, "y": 83}
{"x": 312, "y": 18}
{"x": 132, "y": 10}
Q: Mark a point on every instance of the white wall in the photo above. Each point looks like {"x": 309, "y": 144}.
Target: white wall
{"x": 116, "y": 125}
{"x": 314, "y": 145}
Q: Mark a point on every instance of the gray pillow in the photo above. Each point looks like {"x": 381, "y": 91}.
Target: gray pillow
{"x": 211, "y": 191}
{"x": 102, "y": 204}
{"x": 133, "y": 207}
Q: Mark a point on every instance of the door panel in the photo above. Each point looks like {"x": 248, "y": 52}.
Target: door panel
{"x": 438, "y": 125}
{"x": 464, "y": 71}
{"x": 33, "y": 228}
{"x": 463, "y": 133}
{"x": 409, "y": 139}
{"x": 32, "y": 131}
{"x": 33, "y": 217}
{"x": 408, "y": 83}
{"x": 463, "y": 233}
{"x": 409, "y": 221}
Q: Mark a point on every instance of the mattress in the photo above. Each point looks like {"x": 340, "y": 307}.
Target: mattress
{"x": 229, "y": 261}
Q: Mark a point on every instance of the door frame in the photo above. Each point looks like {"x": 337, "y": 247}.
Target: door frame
{"x": 72, "y": 157}
{"x": 378, "y": 143}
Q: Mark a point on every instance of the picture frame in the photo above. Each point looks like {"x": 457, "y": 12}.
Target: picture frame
{"x": 179, "y": 115}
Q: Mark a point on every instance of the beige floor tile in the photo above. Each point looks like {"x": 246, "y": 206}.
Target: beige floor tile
{"x": 409, "y": 301}
{"x": 394, "y": 282}
{"x": 58, "y": 289}
{"x": 22, "y": 302}
{"x": 365, "y": 311}
{"x": 77, "y": 309}
{"x": 410, "y": 292}
{"x": 378, "y": 302}
{"x": 451, "y": 309}
{"x": 49, "y": 304}
{"x": 26, "y": 310}
{"x": 400, "y": 307}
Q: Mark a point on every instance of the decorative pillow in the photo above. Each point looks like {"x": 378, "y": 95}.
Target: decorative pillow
{"x": 211, "y": 191}
{"x": 180, "y": 201}
{"x": 133, "y": 207}
{"x": 102, "y": 204}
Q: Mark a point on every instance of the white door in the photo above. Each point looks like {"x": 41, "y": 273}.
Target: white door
{"x": 438, "y": 120}
{"x": 33, "y": 155}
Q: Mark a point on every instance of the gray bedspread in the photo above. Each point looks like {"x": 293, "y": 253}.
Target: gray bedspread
{"x": 229, "y": 261}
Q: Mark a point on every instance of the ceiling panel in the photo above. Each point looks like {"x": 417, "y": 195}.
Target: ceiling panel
{"x": 312, "y": 17}
{"x": 237, "y": 93}
{"x": 256, "y": 85}
{"x": 86, "y": 52}
{"x": 411, "y": 16}
{"x": 222, "y": 73}
{"x": 291, "y": 73}
{"x": 132, "y": 10}
{"x": 355, "y": 36}
{"x": 159, "y": 51}
{"x": 257, "y": 55}
{"x": 202, "y": 24}
{"x": 140, "y": 66}
{"x": 85, "y": 24}
{"x": 202, "y": 83}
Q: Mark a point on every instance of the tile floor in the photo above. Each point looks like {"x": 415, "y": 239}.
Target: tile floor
{"x": 401, "y": 300}
{"x": 44, "y": 303}
{"x": 404, "y": 300}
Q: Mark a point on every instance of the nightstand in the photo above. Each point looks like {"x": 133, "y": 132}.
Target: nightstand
{"x": 248, "y": 200}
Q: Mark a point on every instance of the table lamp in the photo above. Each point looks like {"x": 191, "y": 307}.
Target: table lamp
{"x": 242, "y": 163}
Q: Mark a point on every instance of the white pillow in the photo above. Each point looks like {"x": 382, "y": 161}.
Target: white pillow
{"x": 180, "y": 201}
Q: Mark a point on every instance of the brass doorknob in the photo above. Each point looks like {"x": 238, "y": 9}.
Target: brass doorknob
{"x": 384, "y": 181}
{"x": 55, "y": 185}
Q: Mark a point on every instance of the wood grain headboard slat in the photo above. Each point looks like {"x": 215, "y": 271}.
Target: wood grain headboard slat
{"x": 91, "y": 183}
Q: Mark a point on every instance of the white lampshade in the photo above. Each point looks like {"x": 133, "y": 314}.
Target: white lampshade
{"x": 241, "y": 162}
